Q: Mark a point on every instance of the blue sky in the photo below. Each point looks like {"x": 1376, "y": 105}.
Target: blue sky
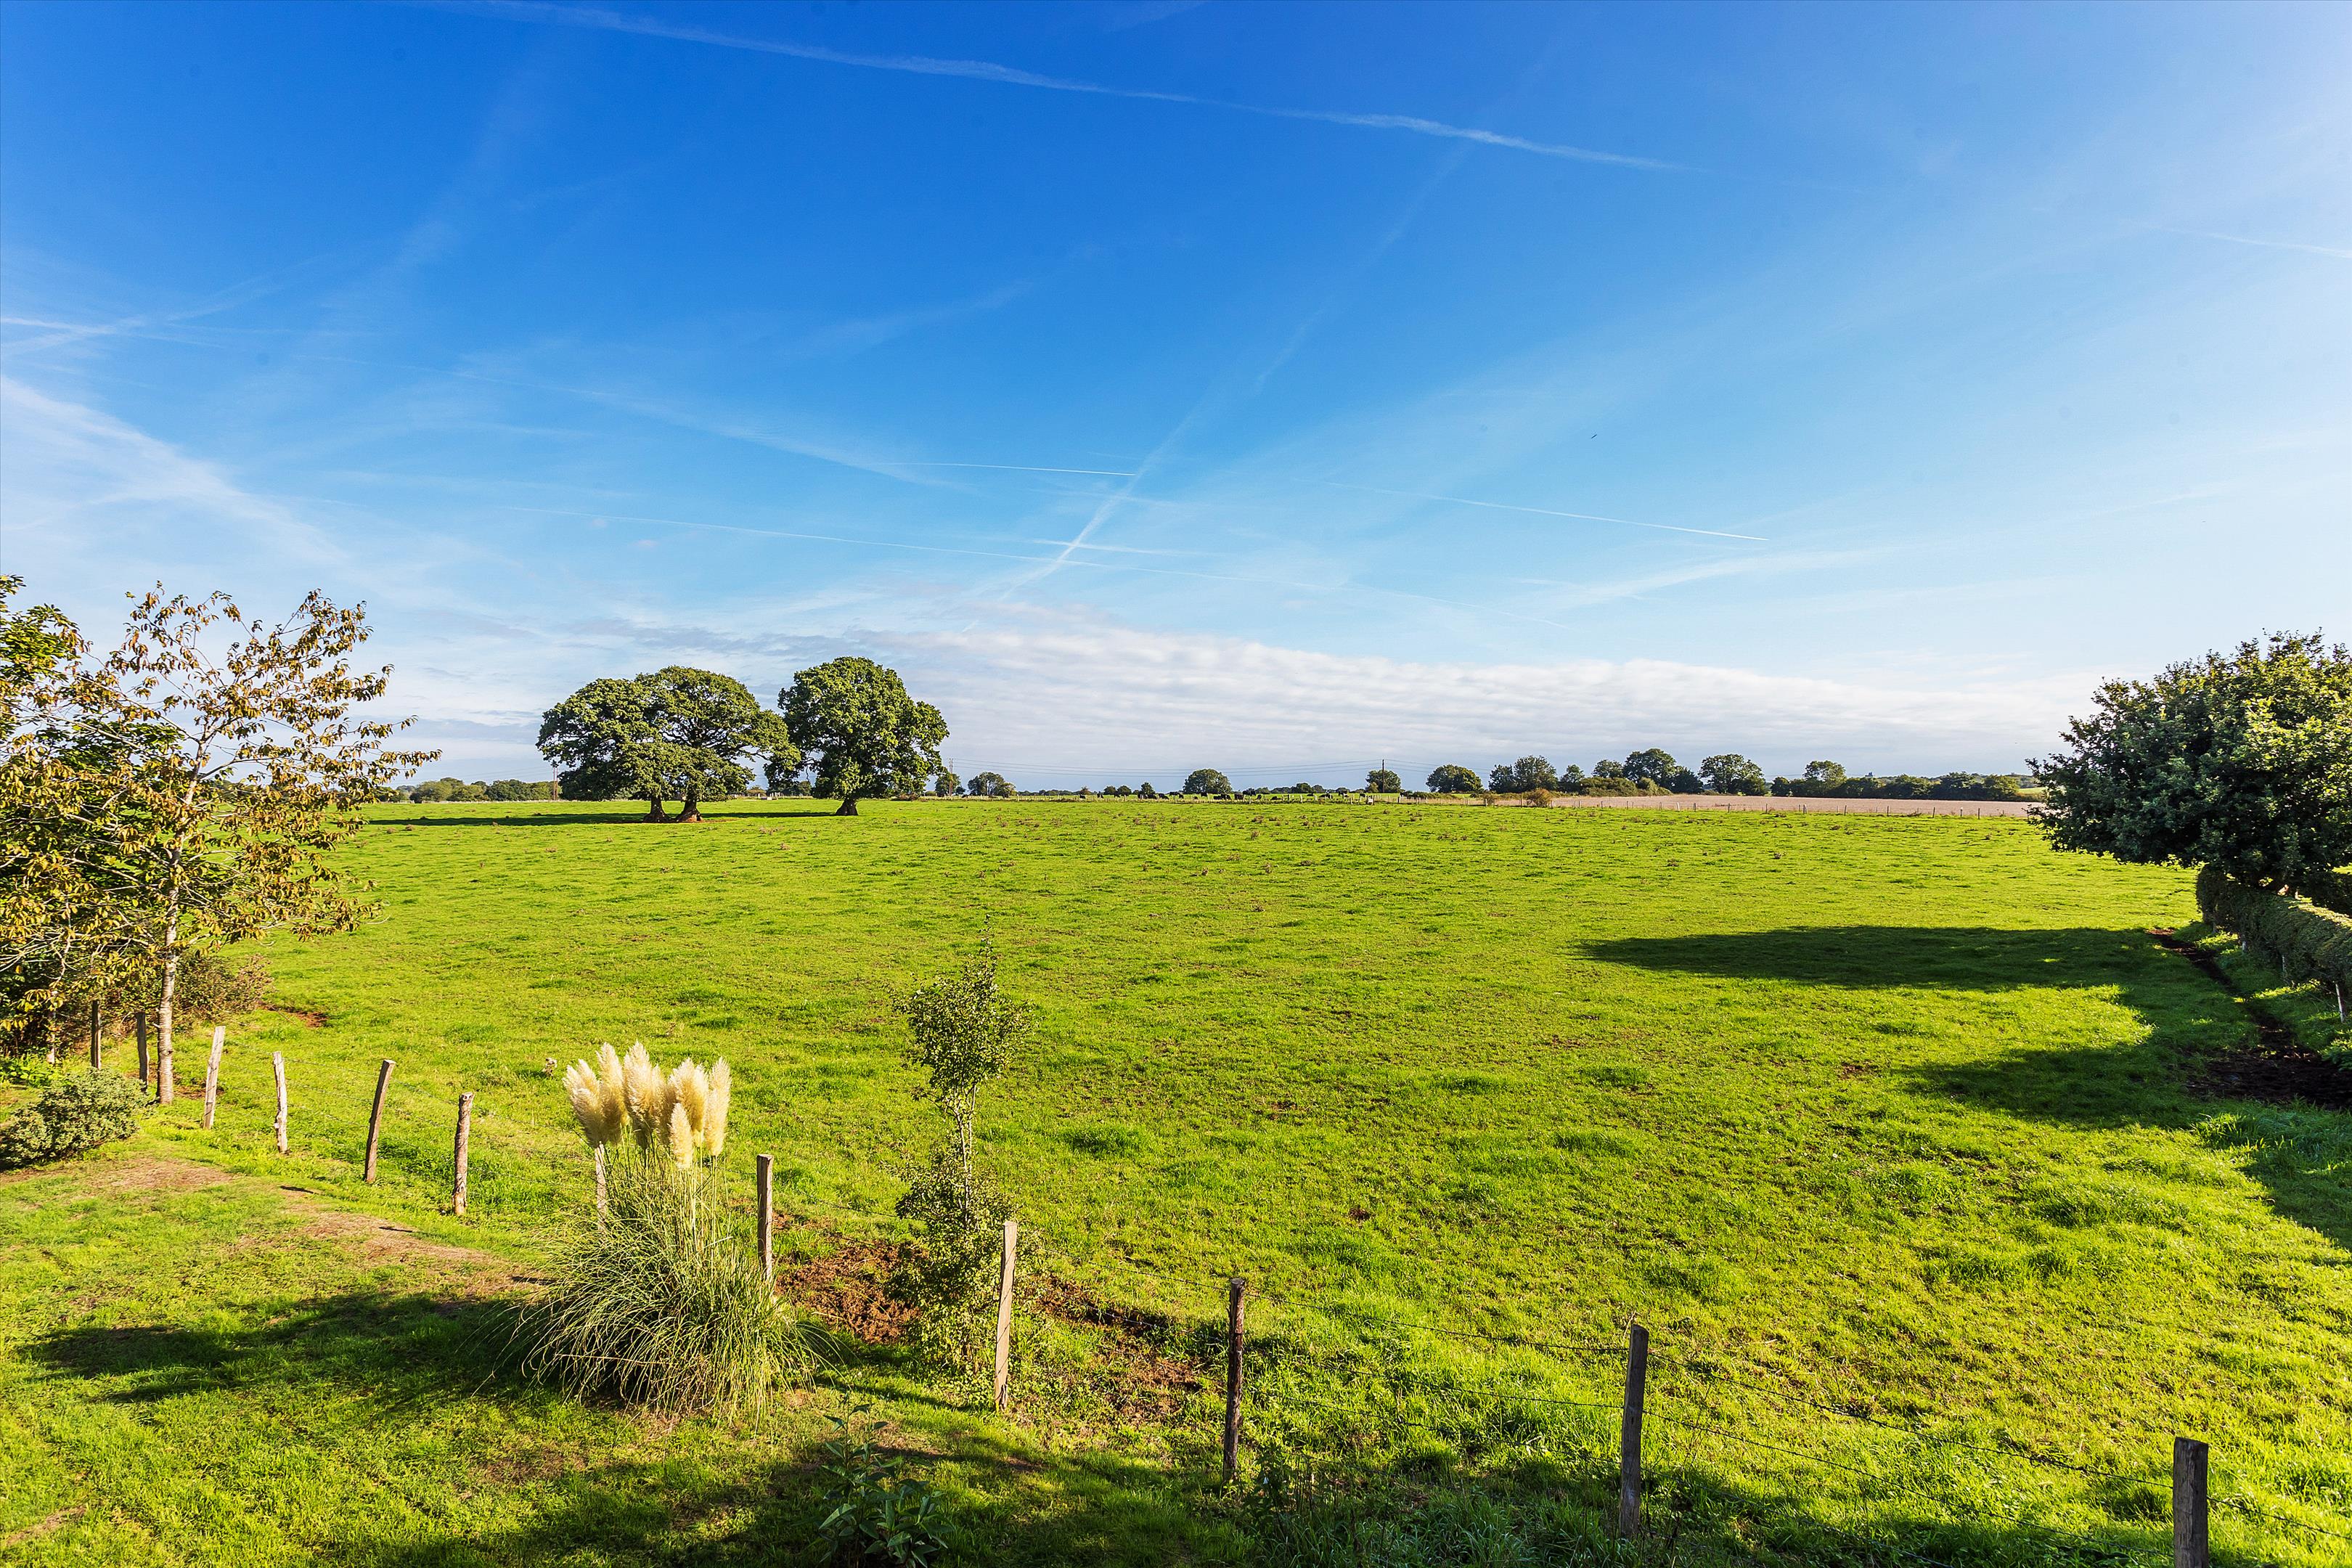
{"x": 1274, "y": 387}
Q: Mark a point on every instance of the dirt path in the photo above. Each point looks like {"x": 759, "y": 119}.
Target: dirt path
{"x": 378, "y": 1241}
{"x": 2277, "y": 1067}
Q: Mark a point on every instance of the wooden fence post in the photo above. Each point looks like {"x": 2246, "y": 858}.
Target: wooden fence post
{"x": 1232, "y": 1377}
{"x": 767, "y": 1188}
{"x": 2189, "y": 1548}
{"x": 212, "y": 1074}
{"x": 1004, "y": 1314}
{"x": 375, "y": 1117}
{"x": 1629, "y": 1432}
{"x": 142, "y": 1047}
{"x": 465, "y": 1130}
{"x": 277, "y": 1068}
{"x": 96, "y": 1028}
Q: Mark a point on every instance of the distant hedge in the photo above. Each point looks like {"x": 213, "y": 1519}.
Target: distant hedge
{"x": 2315, "y": 944}
{"x": 2328, "y": 889}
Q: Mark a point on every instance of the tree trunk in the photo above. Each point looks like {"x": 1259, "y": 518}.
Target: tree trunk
{"x": 848, "y": 807}
{"x": 163, "y": 1017}
{"x": 690, "y": 808}
{"x": 654, "y": 812}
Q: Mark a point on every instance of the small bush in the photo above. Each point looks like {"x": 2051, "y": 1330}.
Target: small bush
{"x": 950, "y": 1279}
{"x": 962, "y": 1031}
{"x": 72, "y": 1117}
{"x": 874, "y": 1513}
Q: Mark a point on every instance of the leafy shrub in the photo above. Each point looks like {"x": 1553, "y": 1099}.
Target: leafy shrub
{"x": 2312, "y": 943}
{"x": 33, "y": 1071}
{"x": 950, "y": 1279}
{"x": 874, "y": 1512}
{"x": 71, "y": 1117}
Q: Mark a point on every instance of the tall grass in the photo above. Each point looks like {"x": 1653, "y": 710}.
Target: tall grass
{"x": 662, "y": 1302}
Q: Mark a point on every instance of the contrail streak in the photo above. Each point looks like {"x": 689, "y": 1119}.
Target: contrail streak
{"x": 1547, "y": 511}
{"x": 1009, "y": 76}
{"x": 2249, "y": 239}
{"x": 1027, "y": 468}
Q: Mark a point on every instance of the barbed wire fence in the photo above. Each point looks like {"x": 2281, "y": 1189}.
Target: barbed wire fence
{"x": 1661, "y": 1393}
{"x": 1668, "y": 1407}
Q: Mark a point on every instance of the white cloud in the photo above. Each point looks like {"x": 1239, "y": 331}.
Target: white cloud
{"x": 1102, "y": 698}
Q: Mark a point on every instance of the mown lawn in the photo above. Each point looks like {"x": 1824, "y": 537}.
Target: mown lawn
{"x": 1862, "y": 1117}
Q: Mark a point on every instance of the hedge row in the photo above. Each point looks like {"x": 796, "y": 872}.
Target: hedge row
{"x": 2315, "y": 943}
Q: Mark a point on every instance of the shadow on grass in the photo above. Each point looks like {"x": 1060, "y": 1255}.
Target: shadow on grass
{"x": 2160, "y": 1079}
{"x": 737, "y": 1501}
{"x": 405, "y": 1350}
{"x": 1957, "y": 958}
{"x": 1562, "y": 1510}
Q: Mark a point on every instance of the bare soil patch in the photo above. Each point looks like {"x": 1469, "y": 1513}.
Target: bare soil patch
{"x": 1141, "y": 1377}
{"x": 382, "y": 1242}
{"x": 848, "y": 1290}
{"x": 140, "y": 1173}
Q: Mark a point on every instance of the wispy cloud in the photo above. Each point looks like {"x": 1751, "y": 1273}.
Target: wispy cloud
{"x": 1009, "y": 75}
{"x": 1547, "y": 511}
{"x": 65, "y": 466}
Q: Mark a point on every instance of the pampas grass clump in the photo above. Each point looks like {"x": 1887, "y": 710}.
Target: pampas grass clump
{"x": 656, "y": 1298}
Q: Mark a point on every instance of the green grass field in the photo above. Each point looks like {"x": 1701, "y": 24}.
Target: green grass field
{"x": 1862, "y": 1117}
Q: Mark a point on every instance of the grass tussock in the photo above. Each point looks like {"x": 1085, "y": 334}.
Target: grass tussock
{"x": 662, "y": 1303}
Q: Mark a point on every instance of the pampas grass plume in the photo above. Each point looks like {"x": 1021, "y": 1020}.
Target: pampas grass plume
{"x": 714, "y": 1115}
{"x": 647, "y": 1094}
{"x": 689, "y": 1089}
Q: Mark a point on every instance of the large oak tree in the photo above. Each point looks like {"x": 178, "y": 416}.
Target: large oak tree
{"x": 861, "y": 734}
{"x": 679, "y": 733}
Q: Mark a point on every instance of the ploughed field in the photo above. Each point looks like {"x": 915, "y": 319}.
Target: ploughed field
{"x": 1886, "y": 1129}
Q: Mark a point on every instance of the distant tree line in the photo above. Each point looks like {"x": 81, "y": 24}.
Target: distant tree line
{"x": 1649, "y": 771}
{"x": 1830, "y": 779}
{"x": 435, "y": 790}
{"x": 1654, "y": 771}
